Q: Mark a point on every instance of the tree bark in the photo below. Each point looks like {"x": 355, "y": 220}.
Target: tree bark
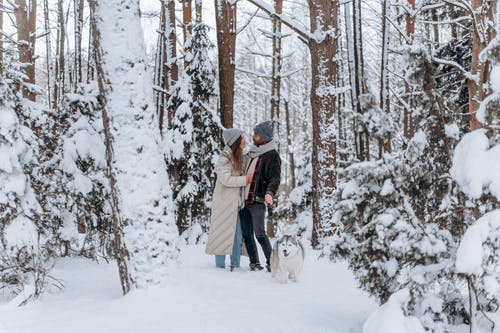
{"x": 1, "y": 38}
{"x": 198, "y": 11}
{"x": 26, "y": 35}
{"x": 385, "y": 104}
{"x": 78, "y": 8}
{"x": 187, "y": 29}
{"x": 166, "y": 69}
{"x": 324, "y": 22}
{"x": 277, "y": 62}
{"x": 407, "y": 116}
{"x": 363, "y": 138}
{"x": 225, "y": 21}
{"x": 479, "y": 70}
{"x": 59, "y": 75}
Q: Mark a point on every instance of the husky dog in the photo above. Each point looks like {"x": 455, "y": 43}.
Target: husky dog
{"x": 287, "y": 259}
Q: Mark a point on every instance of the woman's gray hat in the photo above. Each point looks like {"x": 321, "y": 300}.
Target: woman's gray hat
{"x": 230, "y": 135}
{"x": 265, "y": 130}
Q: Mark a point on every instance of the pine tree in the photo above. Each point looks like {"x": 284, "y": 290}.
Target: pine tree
{"x": 24, "y": 254}
{"x": 193, "y": 139}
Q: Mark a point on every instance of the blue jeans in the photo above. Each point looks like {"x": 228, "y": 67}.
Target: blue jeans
{"x": 220, "y": 260}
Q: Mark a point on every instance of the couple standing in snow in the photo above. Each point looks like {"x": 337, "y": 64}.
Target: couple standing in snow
{"x": 245, "y": 185}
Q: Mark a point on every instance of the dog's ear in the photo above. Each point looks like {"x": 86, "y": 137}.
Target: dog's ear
{"x": 294, "y": 238}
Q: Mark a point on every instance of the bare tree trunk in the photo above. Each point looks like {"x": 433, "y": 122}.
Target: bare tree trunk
{"x": 166, "y": 70}
{"x": 26, "y": 35}
{"x": 290, "y": 146}
{"x": 48, "y": 52}
{"x": 277, "y": 62}
{"x": 323, "y": 20}
{"x": 363, "y": 138}
{"x": 187, "y": 29}
{"x": 198, "y": 10}
{"x": 225, "y": 21}
{"x": 478, "y": 69}
{"x": 171, "y": 70}
{"x": 1, "y": 38}
{"x": 385, "y": 104}
{"x": 78, "y": 10}
{"x": 60, "y": 70}
{"x": 407, "y": 116}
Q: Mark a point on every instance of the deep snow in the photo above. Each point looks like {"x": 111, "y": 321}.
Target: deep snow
{"x": 198, "y": 298}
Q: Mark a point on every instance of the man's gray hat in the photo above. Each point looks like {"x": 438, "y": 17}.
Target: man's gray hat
{"x": 265, "y": 130}
{"x": 230, "y": 135}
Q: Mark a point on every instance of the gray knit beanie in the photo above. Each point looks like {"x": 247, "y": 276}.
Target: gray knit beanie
{"x": 230, "y": 135}
{"x": 265, "y": 130}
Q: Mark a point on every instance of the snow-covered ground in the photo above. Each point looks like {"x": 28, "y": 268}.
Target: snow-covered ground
{"x": 198, "y": 298}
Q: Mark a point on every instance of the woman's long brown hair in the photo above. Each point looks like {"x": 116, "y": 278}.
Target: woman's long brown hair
{"x": 237, "y": 155}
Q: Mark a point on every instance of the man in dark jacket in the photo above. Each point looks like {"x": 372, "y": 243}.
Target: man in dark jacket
{"x": 263, "y": 161}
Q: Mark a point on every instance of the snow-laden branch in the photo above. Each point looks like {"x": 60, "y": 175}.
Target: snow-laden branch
{"x": 456, "y": 65}
{"x": 305, "y": 35}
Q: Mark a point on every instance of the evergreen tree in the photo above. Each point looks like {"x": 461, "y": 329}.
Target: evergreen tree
{"x": 399, "y": 216}
{"x": 24, "y": 250}
{"x": 194, "y": 139}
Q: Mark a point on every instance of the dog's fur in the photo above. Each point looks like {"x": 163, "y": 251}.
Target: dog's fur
{"x": 287, "y": 259}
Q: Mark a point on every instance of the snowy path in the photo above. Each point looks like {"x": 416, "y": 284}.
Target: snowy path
{"x": 200, "y": 299}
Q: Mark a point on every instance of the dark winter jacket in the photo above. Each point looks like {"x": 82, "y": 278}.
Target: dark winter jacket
{"x": 267, "y": 176}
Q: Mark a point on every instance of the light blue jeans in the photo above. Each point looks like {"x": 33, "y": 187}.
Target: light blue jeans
{"x": 220, "y": 260}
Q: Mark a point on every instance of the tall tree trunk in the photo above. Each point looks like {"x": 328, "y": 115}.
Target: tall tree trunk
{"x": 324, "y": 22}
{"x": 363, "y": 138}
{"x": 78, "y": 10}
{"x": 166, "y": 70}
{"x": 479, "y": 69}
{"x": 277, "y": 62}
{"x": 407, "y": 116}
{"x": 198, "y": 11}
{"x": 225, "y": 21}
{"x": 60, "y": 70}
{"x": 385, "y": 104}
{"x": 141, "y": 206}
{"x": 187, "y": 29}
{"x": 26, "y": 35}
{"x": 171, "y": 70}
{"x": 291, "y": 156}
{"x": 48, "y": 52}
{"x": 1, "y": 38}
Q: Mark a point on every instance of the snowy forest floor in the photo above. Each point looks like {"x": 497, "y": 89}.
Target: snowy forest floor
{"x": 199, "y": 298}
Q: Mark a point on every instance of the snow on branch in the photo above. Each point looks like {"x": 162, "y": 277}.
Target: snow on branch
{"x": 456, "y": 65}
{"x": 305, "y": 35}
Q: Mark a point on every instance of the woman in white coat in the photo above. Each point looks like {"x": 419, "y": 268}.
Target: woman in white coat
{"x": 225, "y": 236}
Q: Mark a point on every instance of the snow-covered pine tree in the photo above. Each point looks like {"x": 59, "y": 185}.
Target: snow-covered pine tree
{"x": 193, "y": 140}
{"x": 475, "y": 168}
{"x": 24, "y": 254}
{"x": 399, "y": 216}
{"x": 81, "y": 161}
{"x": 207, "y": 127}
{"x": 140, "y": 195}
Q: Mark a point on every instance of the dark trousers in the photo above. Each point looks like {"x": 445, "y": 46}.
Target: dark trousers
{"x": 253, "y": 221}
